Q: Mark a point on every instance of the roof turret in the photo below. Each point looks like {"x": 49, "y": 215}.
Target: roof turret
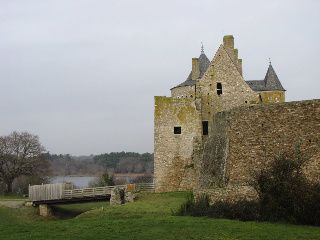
{"x": 271, "y": 82}
{"x": 204, "y": 63}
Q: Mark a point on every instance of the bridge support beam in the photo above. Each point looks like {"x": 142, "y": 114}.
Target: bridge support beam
{"x": 45, "y": 210}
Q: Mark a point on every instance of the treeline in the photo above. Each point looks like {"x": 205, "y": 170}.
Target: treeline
{"x": 66, "y": 165}
{"x": 114, "y": 162}
{"x": 126, "y": 162}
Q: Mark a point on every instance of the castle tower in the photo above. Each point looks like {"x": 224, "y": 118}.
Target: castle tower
{"x": 187, "y": 88}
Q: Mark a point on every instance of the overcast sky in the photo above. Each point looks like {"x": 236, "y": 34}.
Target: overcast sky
{"x": 82, "y": 74}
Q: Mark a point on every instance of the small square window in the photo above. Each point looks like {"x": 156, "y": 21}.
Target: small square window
{"x": 177, "y": 130}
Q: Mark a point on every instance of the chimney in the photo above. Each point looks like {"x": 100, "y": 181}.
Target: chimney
{"x": 195, "y": 69}
{"x": 228, "y": 41}
{"x": 240, "y": 66}
{"x": 235, "y": 53}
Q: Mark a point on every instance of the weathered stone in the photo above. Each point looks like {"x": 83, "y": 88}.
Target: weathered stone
{"x": 174, "y": 167}
{"x": 28, "y": 204}
{"x": 45, "y": 210}
{"x": 117, "y": 196}
{"x": 247, "y": 139}
{"x": 183, "y": 92}
{"x": 228, "y": 193}
{"x": 129, "y": 197}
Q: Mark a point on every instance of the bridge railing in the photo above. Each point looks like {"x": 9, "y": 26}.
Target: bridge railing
{"x": 47, "y": 191}
{"x": 89, "y": 192}
{"x": 62, "y": 191}
{"x": 146, "y": 187}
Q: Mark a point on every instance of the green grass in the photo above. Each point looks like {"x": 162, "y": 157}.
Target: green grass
{"x": 148, "y": 218}
{"x": 10, "y": 197}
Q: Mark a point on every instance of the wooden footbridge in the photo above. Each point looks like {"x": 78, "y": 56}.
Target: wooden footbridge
{"x": 64, "y": 193}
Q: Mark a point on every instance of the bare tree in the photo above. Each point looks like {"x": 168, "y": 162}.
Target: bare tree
{"x": 20, "y": 154}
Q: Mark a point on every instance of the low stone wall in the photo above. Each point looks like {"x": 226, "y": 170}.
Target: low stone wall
{"x": 230, "y": 193}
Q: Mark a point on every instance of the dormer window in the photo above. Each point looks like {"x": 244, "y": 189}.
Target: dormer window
{"x": 219, "y": 88}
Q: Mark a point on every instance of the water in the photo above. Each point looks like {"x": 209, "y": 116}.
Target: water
{"x": 79, "y": 181}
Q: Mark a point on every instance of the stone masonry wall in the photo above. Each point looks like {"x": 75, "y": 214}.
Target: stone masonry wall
{"x": 173, "y": 162}
{"x": 245, "y": 139}
{"x": 183, "y": 92}
{"x": 272, "y": 96}
{"x": 235, "y": 91}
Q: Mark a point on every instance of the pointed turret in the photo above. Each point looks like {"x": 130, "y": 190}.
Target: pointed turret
{"x": 199, "y": 67}
{"x": 272, "y": 81}
{"x": 204, "y": 62}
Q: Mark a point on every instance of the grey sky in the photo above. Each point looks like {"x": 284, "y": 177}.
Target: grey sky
{"x": 82, "y": 73}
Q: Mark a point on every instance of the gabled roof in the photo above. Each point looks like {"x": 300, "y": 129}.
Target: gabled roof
{"x": 204, "y": 63}
{"x": 271, "y": 82}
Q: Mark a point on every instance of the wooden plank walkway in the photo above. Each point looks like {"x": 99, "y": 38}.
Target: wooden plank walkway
{"x": 62, "y": 192}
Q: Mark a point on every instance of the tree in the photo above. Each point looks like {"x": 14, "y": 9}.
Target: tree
{"x": 104, "y": 180}
{"x": 285, "y": 193}
{"x": 21, "y": 153}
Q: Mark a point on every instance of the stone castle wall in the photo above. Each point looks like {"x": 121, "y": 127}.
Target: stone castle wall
{"x": 183, "y": 92}
{"x": 272, "y": 96}
{"x": 235, "y": 91}
{"x": 246, "y": 139}
{"x": 173, "y": 162}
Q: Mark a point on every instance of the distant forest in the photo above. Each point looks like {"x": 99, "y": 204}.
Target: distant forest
{"x": 94, "y": 165}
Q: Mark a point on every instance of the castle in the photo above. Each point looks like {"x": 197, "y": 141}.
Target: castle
{"x": 205, "y": 132}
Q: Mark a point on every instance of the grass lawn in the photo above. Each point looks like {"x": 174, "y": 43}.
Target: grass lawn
{"x": 10, "y": 197}
{"x": 148, "y": 218}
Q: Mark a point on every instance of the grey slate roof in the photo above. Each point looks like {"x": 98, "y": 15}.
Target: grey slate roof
{"x": 188, "y": 82}
{"x": 271, "y": 82}
{"x": 204, "y": 63}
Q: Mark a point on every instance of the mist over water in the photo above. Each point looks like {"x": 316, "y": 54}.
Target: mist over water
{"x": 78, "y": 181}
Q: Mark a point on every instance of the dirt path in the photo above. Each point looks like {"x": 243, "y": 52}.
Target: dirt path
{"x": 12, "y": 203}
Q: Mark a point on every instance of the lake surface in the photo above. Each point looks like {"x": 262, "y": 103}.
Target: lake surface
{"x": 79, "y": 181}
